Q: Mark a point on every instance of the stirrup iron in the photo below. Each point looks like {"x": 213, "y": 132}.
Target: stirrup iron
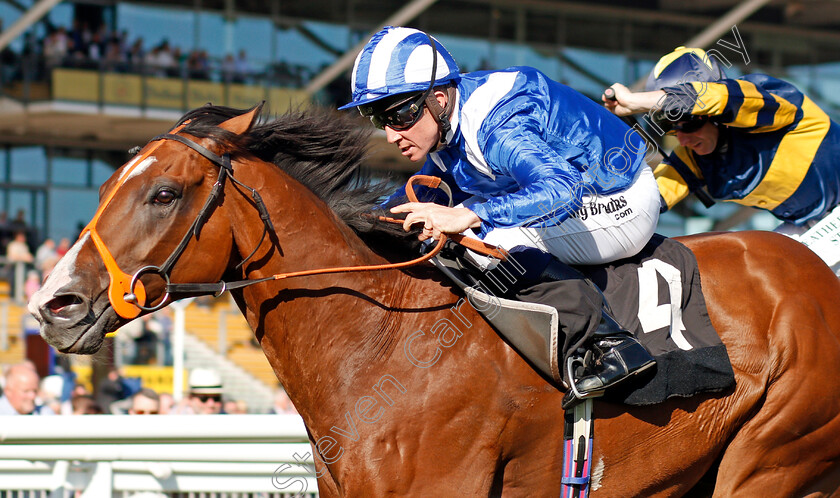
{"x": 573, "y": 397}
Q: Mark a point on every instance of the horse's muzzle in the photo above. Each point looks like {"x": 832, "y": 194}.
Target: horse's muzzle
{"x": 66, "y": 319}
{"x": 66, "y": 309}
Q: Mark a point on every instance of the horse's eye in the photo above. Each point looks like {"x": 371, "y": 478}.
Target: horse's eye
{"x": 165, "y": 197}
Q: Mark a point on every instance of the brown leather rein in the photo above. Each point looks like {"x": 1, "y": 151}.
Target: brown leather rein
{"x": 470, "y": 243}
{"x": 127, "y": 293}
{"x": 429, "y": 181}
{"x": 476, "y": 245}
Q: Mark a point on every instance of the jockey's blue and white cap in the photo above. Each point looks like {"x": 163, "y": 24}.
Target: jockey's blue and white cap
{"x": 398, "y": 60}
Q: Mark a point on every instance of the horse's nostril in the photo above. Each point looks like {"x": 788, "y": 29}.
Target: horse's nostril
{"x": 61, "y": 302}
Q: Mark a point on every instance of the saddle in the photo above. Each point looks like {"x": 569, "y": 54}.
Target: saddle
{"x": 656, "y": 295}
{"x": 530, "y": 328}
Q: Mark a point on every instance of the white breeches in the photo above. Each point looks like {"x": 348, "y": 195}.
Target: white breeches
{"x": 605, "y": 228}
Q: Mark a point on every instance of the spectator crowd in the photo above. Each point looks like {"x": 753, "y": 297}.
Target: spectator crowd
{"x": 81, "y": 46}
{"x": 19, "y": 255}
{"x": 25, "y": 393}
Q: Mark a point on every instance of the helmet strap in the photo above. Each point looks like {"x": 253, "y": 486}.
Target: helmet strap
{"x": 441, "y": 114}
{"x": 722, "y": 146}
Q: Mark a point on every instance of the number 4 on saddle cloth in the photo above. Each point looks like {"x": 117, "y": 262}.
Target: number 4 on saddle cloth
{"x": 656, "y": 295}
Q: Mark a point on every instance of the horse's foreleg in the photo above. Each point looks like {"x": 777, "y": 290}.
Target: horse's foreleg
{"x": 789, "y": 447}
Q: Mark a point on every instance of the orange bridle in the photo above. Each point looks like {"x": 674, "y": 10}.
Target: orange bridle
{"x": 121, "y": 282}
{"x": 127, "y": 293}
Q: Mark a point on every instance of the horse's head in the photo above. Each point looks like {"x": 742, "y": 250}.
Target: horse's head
{"x": 158, "y": 206}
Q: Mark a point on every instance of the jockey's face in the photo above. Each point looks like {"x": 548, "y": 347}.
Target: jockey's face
{"x": 417, "y": 141}
{"x": 702, "y": 141}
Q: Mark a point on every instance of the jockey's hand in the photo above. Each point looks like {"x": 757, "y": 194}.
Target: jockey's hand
{"x": 619, "y": 104}
{"x": 626, "y": 102}
{"x": 437, "y": 219}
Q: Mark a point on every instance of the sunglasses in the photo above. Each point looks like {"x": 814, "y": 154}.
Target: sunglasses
{"x": 671, "y": 125}
{"x": 145, "y": 412}
{"x": 204, "y": 397}
{"x": 689, "y": 126}
{"x": 399, "y": 116}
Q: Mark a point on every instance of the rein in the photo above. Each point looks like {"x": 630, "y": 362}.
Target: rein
{"x": 127, "y": 293}
{"x": 430, "y": 181}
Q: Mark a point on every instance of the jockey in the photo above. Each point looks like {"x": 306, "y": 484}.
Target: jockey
{"x": 535, "y": 165}
{"x": 755, "y": 140}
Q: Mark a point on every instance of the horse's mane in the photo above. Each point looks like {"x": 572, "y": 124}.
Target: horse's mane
{"x": 321, "y": 149}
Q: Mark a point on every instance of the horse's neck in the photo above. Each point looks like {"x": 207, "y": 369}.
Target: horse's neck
{"x": 329, "y": 337}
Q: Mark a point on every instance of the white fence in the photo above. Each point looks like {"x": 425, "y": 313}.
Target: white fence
{"x": 206, "y": 456}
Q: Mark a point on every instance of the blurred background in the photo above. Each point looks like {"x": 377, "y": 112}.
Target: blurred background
{"x": 83, "y": 82}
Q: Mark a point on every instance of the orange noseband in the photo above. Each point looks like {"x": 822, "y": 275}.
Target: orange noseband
{"x": 120, "y": 285}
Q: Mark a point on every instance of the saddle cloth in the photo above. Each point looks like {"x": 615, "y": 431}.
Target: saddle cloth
{"x": 656, "y": 295}
{"x": 824, "y": 239}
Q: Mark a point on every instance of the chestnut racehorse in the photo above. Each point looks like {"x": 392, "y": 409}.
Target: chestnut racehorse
{"x": 404, "y": 388}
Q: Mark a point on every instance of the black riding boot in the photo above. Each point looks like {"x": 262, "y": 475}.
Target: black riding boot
{"x": 617, "y": 356}
{"x": 585, "y": 324}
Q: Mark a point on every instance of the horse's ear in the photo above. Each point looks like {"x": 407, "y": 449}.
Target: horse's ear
{"x": 242, "y": 123}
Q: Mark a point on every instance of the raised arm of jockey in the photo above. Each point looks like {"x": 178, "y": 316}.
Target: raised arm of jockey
{"x": 739, "y": 103}
{"x": 625, "y": 102}
{"x": 755, "y": 140}
{"x": 673, "y": 186}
